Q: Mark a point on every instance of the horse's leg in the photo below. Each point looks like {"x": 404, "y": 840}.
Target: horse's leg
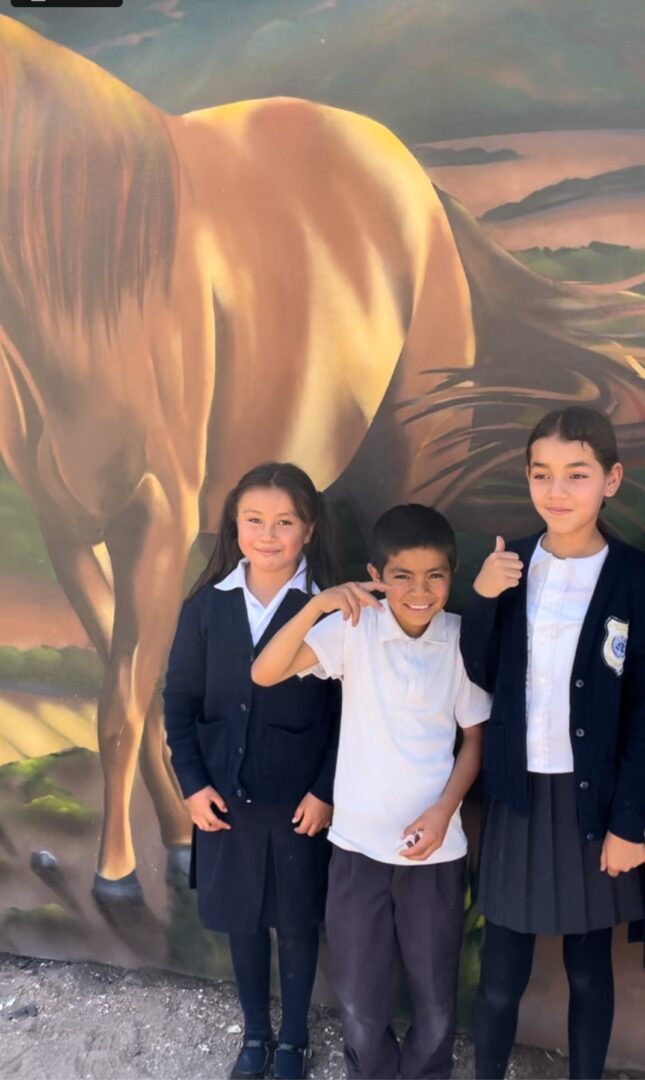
{"x": 87, "y": 583}
{"x": 148, "y": 545}
{"x": 160, "y": 780}
{"x": 88, "y": 587}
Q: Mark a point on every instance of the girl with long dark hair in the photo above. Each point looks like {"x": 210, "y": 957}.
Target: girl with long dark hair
{"x": 256, "y": 765}
{"x": 556, "y": 631}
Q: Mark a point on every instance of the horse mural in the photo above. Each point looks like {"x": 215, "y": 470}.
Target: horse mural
{"x": 183, "y": 296}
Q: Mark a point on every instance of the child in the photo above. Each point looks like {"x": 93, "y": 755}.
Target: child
{"x": 556, "y": 629}
{"x": 256, "y": 766}
{"x": 396, "y": 876}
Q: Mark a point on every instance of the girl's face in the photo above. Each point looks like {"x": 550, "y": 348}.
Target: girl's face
{"x": 568, "y": 484}
{"x": 270, "y": 533}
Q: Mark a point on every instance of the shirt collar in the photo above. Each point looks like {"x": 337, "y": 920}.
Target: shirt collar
{"x": 237, "y": 577}
{"x": 388, "y": 628}
{"x": 581, "y": 569}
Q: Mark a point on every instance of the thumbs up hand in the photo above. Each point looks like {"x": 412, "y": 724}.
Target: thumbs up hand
{"x": 501, "y": 570}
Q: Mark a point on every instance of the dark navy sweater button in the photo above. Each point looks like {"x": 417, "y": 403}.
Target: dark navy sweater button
{"x": 240, "y": 750}
{"x": 580, "y": 731}
{"x": 584, "y": 784}
{"x": 590, "y": 836}
{"x": 579, "y": 683}
{"x": 243, "y": 707}
{"x": 239, "y": 793}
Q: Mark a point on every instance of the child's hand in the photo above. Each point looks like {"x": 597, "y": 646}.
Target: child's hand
{"x": 350, "y": 598}
{"x": 501, "y": 570}
{"x": 432, "y": 826}
{"x": 200, "y": 809}
{"x": 312, "y": 815}
{"x": 618, "y": 856}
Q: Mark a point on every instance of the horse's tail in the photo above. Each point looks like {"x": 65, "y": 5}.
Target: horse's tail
{"x": 540, "y": 345}
{"x": 88, "y": 187}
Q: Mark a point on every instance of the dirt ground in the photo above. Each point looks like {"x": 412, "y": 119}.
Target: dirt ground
{"x": 94, "y": 1021}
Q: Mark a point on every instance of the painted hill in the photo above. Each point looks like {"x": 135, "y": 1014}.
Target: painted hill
{"x": 628, "y": 181}
{"x": 428, "y": 70}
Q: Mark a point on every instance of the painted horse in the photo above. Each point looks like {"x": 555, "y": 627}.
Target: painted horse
{"x": 182, "y": 297}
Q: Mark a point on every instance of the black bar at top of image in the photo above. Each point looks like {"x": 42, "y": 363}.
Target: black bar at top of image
{"x": 35, "y": 4}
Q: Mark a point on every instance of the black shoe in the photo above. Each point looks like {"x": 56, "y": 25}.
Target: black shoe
{"x": 253, "y": 1060}
{"x": 290, "y": 1062}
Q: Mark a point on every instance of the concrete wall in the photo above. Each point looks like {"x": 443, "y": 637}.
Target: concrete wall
{"x": 389, "y": 292}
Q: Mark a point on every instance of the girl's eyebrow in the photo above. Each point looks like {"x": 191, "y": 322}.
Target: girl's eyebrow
{"x": 284, "y": 513}
{"x": 570, "y": 465}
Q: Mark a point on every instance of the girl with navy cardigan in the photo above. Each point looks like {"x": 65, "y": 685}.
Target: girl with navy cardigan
{"x": 256, "y": 765}
{"x": 556, "y": 631}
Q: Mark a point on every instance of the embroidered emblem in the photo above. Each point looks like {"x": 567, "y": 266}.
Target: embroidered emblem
{"x": 614, "y": 646}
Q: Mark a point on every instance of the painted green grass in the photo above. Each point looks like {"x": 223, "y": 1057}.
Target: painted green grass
{"x": 31, "y": 794}
{"x": 595, "y": 263}
{"x": 22, "y": 550}
{"x": 59, "y": 810}
{"x": 48, "y": 917}
{"x": 70, "y": 671}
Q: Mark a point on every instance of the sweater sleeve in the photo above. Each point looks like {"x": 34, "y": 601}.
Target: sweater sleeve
{"x": 627, "y": 816}
{"x": 323, "y": 788}
{"x": 479, "y": 640}
{"x": 184, "y": 699}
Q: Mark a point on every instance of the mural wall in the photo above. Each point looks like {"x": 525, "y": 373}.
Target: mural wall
{"x": 375, "y": 237}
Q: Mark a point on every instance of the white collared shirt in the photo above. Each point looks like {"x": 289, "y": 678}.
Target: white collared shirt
{"x": 258, "y": 615}
{"x": 558, "y": 595}
{"x": 403, "y": 698}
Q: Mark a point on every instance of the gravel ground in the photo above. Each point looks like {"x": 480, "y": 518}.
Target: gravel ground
{"x": 94, "y": 1021}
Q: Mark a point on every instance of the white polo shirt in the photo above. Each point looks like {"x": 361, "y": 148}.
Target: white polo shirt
{"x": 403, "y": 698}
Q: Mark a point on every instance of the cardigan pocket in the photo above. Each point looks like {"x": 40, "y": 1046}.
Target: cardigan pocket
{"x": 286, "y": 752}
{"x": 494, "y": 748}
{"x": 213, "y": 742}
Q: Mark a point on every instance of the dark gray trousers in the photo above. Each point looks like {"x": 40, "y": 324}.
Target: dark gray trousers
{"x": 381, "y": 920}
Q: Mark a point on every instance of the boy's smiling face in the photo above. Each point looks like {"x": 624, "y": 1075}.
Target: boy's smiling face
{"x": 419, "y": 582}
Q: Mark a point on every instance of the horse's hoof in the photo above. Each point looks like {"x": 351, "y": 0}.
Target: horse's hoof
{"x": 178, "y": 864}
{"x": 43, "y": 862}
{"x": 48, "y": 869}
{"x": 125, "y": 890}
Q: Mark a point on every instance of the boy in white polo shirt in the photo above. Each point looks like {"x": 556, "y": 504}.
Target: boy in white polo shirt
{"x": 396, "y": 877}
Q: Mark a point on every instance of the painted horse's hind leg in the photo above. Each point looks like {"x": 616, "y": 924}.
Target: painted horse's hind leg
{"x": 88, "y": 588}
{"x": 148, "y": 546}
{"x": 160, "y": 780}
{"x": 85, "y": 582}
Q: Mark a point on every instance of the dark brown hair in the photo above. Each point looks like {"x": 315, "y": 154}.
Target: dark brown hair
{"x": 412, "y": 526}
{"x": 580, "y": 424}
{"x": 310, "y": 506}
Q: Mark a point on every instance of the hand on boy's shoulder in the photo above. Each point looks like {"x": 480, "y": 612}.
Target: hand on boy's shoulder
{"x": 350, "y": 599}
{"x": 501, "y": 570}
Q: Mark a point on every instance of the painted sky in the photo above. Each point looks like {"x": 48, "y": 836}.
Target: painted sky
{"x": 430, "y": 69}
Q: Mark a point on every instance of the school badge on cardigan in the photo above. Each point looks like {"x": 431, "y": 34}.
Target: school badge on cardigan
{"x": 614, "y": 646}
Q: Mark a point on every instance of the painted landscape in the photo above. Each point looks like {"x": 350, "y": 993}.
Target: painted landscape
{"x": 527, "y": 118}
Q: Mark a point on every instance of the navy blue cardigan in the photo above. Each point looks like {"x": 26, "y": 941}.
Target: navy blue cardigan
{"x": 249, "y": 742}
{"x": 607, "y": 705}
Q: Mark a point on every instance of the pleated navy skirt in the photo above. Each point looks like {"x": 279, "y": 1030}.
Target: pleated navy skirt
{"x": 536, "y": 875}
{"x": 260, "y": 873}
